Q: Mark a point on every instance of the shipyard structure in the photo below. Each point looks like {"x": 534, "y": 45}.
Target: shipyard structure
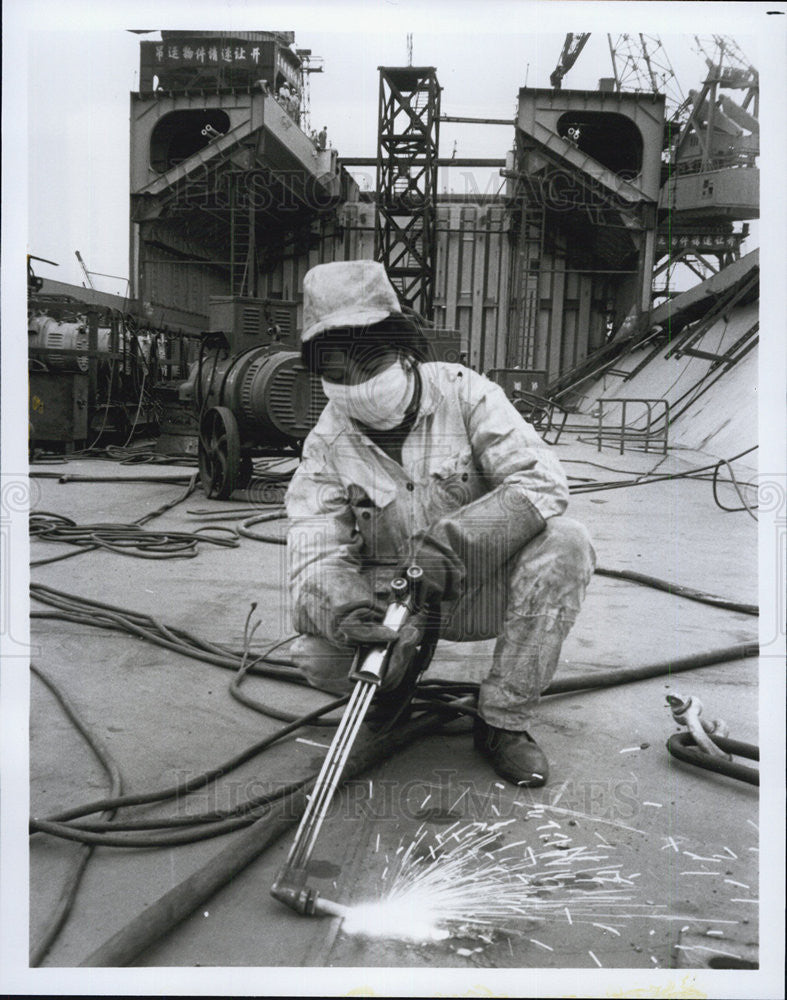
{"x": 604, "y": 195}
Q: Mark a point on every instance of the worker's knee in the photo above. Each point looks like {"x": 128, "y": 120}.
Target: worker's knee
{"x": 324, "y": 665}
{"x": 567, "y": 546}
{"x": 553, "y": 571}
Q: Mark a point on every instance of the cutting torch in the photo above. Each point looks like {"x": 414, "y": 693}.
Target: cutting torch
{"x": 368, "y": 672}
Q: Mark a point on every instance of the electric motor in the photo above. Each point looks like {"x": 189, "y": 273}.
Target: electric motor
{"x": 259, "y": 398}
{"x": 46, "y": 333}
{"x": 273, "y": 398}
{"x": 53, "y": 335}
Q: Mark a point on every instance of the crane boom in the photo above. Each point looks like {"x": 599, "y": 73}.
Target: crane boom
{"x": 84, "y": 269}
{"x": 572, "y": 46}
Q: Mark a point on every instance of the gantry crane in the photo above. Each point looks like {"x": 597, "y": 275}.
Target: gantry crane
{"x": 711, "y": 144}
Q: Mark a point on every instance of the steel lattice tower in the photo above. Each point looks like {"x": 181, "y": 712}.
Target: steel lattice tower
{"x": 407, "y": 146}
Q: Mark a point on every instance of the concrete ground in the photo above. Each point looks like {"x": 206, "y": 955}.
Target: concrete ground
{"x": 678, "y": 846}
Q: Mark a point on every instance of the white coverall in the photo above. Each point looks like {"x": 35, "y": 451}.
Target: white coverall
{"x": 353, "y": 510}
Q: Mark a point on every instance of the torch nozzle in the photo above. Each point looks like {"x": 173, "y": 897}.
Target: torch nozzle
{"x": 290, "y": 888}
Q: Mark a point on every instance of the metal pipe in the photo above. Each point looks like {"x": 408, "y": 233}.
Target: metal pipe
{"x": 477, "y": 121}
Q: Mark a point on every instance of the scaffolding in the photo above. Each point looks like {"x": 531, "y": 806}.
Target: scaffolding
{"x": 407, "y": 154}
{"x": 528, "y": 224}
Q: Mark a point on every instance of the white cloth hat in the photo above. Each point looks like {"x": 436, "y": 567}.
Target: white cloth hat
{"x": 346, "y": 293}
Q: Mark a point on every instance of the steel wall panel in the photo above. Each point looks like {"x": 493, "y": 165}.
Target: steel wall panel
{"x": 168, "y": 281}
{"x": 472, "y": 268}
{"x": 472, "y": 273}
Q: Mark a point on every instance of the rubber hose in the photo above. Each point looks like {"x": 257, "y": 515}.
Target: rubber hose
{"x": 115, "y": 621}
{"x": 682, "y": 746}
{"x": 245, "y": 528}
{"x": 190, "y": 488}
{"x": 174, "y": 906}
{"x": 610, "y": 678}
{"x": 659, "y": 478}
{"x": 158, "y": 836}
{"x": 679, "y": 591}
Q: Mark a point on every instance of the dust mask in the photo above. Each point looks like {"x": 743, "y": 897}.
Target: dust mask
{"x": 380, "y": 402}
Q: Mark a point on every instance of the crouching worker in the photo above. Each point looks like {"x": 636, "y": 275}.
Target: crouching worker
{"x": 426, "y": 462}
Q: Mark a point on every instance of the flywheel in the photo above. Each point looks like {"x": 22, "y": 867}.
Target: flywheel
{"x": 219, "y": 453}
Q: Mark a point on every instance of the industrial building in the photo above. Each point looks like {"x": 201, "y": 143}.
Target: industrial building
{"x": 164, "y": 428}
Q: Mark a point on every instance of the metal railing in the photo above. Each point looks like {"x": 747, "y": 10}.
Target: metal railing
{"x": 651, "y": 434}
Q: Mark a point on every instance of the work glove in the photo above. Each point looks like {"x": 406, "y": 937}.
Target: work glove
{"x": 362, "y": 626}
{"x": 443, "y": 573}
{"x": 475, "y": 541}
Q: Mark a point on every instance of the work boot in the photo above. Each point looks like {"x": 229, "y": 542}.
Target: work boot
{"x": 514, "y": 755}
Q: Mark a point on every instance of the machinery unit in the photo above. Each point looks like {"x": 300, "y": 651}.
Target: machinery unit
{"x": 58, "y": 408}
{"x": 251, "y": 395}
{"x": 247, "y": 321}
{"x": 46, "y": 335}
{"x": 120, "y": 361}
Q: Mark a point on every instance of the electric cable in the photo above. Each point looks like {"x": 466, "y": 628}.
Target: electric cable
{"x": 246, "y": 664}
{"x": 96, "y": 613}
{"x": 689, "y": 475}
{"x": 106, "y": 405}
{"x": 607, "y": 468}
{"x": 70, "y": 477}
{"x": 128, "y": 539}
{"x": 145, "y": 455}
{"x": 139, "y": 407}
{"x": 433, "y": 698}
{"x": 65, "y": 901}
{"x": 198, "y": 781}
{"x": 245, "y": 529}
{"x": 231, "y": 515}
{"x": 132, "y": 455}
{"x": 651, "y": 478}
{"x": 746, "y": 506}
{"x": 149, "y": 839}
{"x": 190, "y": 488}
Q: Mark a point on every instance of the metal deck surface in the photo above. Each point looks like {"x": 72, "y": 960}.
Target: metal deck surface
{"x": 679, "y": 845}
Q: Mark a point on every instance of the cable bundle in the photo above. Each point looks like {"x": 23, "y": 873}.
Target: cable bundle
{"x": 128, "y": 539}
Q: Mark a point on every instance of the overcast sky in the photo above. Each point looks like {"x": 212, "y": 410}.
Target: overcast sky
{"x": 81, "y": 70}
